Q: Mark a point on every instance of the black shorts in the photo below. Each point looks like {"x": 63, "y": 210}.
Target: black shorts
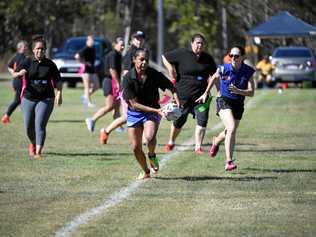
{"x": 235, "y": 106}
{"x": 201, "y": 117}
{"x": 107, "y": 86}
{"x": 89, "y": 69}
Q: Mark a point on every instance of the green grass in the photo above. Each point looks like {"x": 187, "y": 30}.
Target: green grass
{"x": 273, "y": 193}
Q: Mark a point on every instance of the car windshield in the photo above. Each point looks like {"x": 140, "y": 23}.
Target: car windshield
{"x": 292, "y": 53}
{"x": 75, "y": 46}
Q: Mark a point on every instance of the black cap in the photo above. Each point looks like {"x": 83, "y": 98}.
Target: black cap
{"x": 138, "y": 34}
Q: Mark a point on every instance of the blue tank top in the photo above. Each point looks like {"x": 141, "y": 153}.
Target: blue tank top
{"x": 238, "y": 78}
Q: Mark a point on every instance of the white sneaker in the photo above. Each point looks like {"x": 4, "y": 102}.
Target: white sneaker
{"x": 90, "y": 124}
{"x": 90, "y": 105}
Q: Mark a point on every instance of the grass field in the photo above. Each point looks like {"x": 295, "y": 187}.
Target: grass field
{"x": 273, "y": 192}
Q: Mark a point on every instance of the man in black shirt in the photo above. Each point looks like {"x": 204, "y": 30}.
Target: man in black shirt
{"x": 138, "y": 41}
{"x": 13, "y": 65}
{"x": 191, "y": 69}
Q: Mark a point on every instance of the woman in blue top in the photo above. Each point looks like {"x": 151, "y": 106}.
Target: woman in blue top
{"x": 234, "y": 81}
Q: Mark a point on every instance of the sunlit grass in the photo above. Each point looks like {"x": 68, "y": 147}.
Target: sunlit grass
{"x": 273, "y": 192}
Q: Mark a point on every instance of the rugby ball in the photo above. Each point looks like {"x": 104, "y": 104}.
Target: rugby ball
{"x": 171, "y": 111}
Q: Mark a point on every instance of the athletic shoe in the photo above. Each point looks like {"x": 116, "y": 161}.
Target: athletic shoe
{"x": 214, "y": 148}
{"x": 32, "y": 149}
{"x": 90, "y": 105}
{"x": 39, "y": 157}
{"x": 5, "y": 119}
{"x": 90, "y": 124}
{"x": 169, "y": 147}
{"x": 103, "y": 136}
{"x": 154, "y": 162}
{"x": 199, "y": 151}
{"x": 229, "y": 166}
{"x": 142, "y": 175}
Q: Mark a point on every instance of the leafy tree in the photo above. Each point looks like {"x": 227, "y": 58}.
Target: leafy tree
{"x": 185, "y": 18}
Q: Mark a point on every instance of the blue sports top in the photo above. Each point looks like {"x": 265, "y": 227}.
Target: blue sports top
{"x": 238, "y": 78}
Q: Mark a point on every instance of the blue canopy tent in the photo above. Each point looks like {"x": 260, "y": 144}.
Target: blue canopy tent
{"x": 283, "y": 25}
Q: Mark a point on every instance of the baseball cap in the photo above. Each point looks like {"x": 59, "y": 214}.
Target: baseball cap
{"x": 138, "y": 34}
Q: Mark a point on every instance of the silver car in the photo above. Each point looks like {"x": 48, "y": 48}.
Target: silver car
{"x": 294, "y": 64}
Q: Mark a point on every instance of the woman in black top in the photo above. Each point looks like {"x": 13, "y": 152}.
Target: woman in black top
{"x": 138, "y": 40}
{"x": 191, "y": 69}
{"x": 87, "y": 57}
{"x": 111, "y": 84}
{"x": 141, "y": 92}
{"x": 13, "y": 65}
{"x": 40, "y": 79}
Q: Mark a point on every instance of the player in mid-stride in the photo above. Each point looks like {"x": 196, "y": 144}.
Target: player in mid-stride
{"x": 141, "y": 92}
{"x": 235, "y": 82}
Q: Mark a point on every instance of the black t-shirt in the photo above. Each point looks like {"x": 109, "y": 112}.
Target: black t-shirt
{"x": 146, "y": 93}
{"x": 113, "y": 60}
{"x": 128, "y": 58}
{"x": 88, "y": 55}
{"x": 16, "y": 61}
{"x": 192, "y": 73}
{"x": 40, "y": 80}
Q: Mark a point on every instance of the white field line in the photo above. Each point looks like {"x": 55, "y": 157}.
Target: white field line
{"x": 125, "y": 192}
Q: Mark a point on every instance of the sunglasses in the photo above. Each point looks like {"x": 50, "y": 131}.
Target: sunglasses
{"x": 234, "y": 55}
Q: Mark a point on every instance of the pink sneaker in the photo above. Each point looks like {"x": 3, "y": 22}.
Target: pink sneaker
{"x": 199, "y": 151}
{"x": 229, "y": 166}
{"x": 104, "y": 136}
{"x": 214, "y": 148}
{"x": 169, "y": 147}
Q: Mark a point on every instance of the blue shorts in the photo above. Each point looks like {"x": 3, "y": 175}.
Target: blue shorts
{"x": 138, "y": 118}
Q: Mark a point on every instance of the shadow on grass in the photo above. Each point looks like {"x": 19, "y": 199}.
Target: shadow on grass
{"x": 275, "y": 150}
{"x": 87, "y": 154}
{"x": 67, "y": 121}
{"x": 282, "y": 170}
{"x": 208, "y": 144}
{"x": 217, "y": 178}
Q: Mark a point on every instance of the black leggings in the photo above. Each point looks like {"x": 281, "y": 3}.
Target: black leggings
{"x": 17, "y": 86}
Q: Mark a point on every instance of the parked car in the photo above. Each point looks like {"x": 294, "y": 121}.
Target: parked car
{"x": 294, "y": 64}
{"x": 64, "y": 58}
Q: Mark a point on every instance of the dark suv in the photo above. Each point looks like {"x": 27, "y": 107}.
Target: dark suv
{"x": 68, "y": 66}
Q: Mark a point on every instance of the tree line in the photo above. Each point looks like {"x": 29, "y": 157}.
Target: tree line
{"x": 59, "y": 19}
